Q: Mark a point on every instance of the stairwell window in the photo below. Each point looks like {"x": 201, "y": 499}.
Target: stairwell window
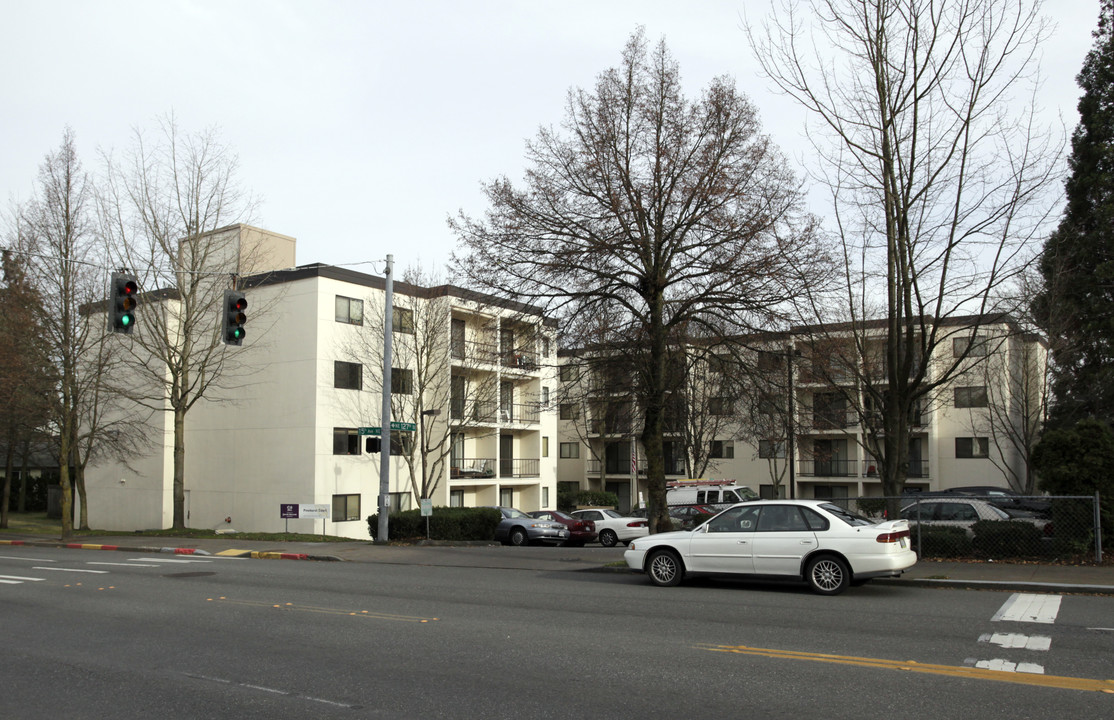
{"x": 972, "y": 447}
{"x": 348, "y": 376}
{"x": 346, "y": 441}
{"x": 971, "y": 397}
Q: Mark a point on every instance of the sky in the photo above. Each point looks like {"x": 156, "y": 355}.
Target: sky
{"x": 360, "y": 126}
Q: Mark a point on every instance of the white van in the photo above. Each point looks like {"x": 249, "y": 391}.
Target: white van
{"x": 706, "y": 492}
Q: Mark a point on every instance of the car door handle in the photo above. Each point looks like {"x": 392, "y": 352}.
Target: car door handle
{"x": 806, "y": 542}
{"x": 741, "y": 542}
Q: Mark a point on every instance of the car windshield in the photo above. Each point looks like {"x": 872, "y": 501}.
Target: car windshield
{"x": 846, "y": 515}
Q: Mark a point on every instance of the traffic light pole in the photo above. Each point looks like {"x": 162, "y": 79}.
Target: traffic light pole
{"x": 385, "y": 418}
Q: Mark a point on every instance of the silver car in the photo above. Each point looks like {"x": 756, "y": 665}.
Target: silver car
{"x": 518, "y": 528}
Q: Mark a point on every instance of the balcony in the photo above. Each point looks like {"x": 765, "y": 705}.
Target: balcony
{"x": 832, "y": 419}
{"x": 828, "y": 468}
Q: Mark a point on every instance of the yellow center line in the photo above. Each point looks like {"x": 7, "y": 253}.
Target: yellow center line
{"x": 327, "y": 611}
{"x": 1067, "y": 683}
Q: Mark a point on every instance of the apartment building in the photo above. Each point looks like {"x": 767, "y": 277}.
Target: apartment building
{"x": 291, "y": 424}
{"x": 801, "y": 421}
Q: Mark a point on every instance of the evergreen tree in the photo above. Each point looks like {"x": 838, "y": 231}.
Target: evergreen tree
{"x": 1075, "y": 306}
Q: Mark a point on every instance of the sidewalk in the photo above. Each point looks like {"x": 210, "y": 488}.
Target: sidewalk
{"x": 988, "y": 575}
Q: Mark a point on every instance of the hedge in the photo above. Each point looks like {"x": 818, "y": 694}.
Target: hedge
{"x": 446, "y": 523}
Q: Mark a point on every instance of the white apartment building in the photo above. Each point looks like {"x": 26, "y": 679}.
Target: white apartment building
{"x": 471, "y": 374}
{"x": 971, "y": 431}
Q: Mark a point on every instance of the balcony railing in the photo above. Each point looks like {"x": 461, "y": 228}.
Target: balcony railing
{"x": 520, "y": 360}
{"x": 828, "y": 468}
{"x": 832, "y": 419}
{"x": 474, "y": 351}
{"x": 463, "y": 468}
{"x": 520, "y": 413}
{"x": 673, "y": 466}
{"x": 481, "y": 411}
{"x": 519, "y": 467}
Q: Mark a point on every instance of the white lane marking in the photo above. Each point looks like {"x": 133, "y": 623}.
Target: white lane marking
{"x": 13, "y": 557}
{"x": 98, "y": 572}
{"x": 276, "y": 691}
{"x": 1007, "y": 666}
{"x": 1028, "y": 607}
{"x": 121, "y": 564}
{"x": 1016, "y": 640}
{"x": 166, "y": 560}
{"x": 20, "y": 578}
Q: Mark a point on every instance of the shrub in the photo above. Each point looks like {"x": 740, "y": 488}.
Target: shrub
{"x": 446, "y": 523}
{"x": 1006, "y": 538}
{"x": 940, "y": 541}
{"x": 597, "y": 497}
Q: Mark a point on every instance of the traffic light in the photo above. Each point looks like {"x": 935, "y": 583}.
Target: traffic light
{"x": 373, "y": 444}
{"x": 233, "y": 317}
{"x": 122, "y": 303}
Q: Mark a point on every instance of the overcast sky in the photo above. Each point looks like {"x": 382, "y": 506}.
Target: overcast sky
{"x": 362, "y": 125}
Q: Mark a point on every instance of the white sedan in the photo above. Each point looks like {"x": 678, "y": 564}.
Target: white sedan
{"x": 614, "y": 527}
{"x": 811, "y": 540}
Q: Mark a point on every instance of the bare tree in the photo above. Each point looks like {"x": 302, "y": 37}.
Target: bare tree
{"x": 675, "y": 214}
{"x": 938, "y": 178}
{"x": 170, "y": 211}
{"x": 57, "y": 233}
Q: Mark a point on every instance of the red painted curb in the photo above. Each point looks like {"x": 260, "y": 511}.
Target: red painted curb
{"x": 293, "y": 556}
{"x": 12, "y": 542}
{"x": 184, "y": 551}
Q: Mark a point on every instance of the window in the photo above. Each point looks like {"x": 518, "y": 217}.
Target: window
{"x": 971, "y": 397}
{"x": 402, "y": 320}
{"x": 399, "y": 501}
{"x": 570, "y": 450}
{"x": 545, "y": 397}
{"x": 456, "y": 498}
{"x": 977, "y": 345}
{"x": 721, "y": 406}
{"x": 346, "y": 441}
{"x": 769, "y": 361}
{"x": 545, "y": 496}
{"x": 545, "y": 446}
{"x": 569, "y": 411}
{"x": 402, "y": 381}
{"x": 972, "y": 447}
{"x": 346, "y": 507}
{"x": 722, "y": 449}
{"x": 771, "y": 449}
{"x": 781, "y": 518}
{"x": 349, "y": 310}
{"x": 348, "y": 376}
{"x": 506, "y": 497}
{"x": 569, "y": 373}
{"x": 401, "y": 442}
{"x": 545, "y": 347}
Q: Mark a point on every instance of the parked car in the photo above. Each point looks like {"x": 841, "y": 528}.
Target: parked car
{"x": 580, "y": 530}
{"x": 1006, "y": 498}
{"x": 810, "y": 540}
{"x": 963, "y": 512}
{"x": 518, "y": 528}
{"x": 686, "y": 516}
{"x": 613, "y": 527}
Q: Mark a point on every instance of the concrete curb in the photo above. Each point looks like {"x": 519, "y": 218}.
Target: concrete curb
{"x": 1002, "y": 585}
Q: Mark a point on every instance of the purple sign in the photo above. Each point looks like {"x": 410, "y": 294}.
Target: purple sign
{"x": 288, "y": 510}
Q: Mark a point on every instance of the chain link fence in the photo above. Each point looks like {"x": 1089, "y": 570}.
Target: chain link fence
{"x": 1042, "y": 528}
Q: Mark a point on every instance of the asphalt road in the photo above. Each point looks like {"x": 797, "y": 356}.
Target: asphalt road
{"x": 122, "y": 635}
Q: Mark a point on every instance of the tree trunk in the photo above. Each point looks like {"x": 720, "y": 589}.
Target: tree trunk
{"x": 179, "y": 469}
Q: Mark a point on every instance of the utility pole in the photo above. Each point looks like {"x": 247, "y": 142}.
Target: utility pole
{"x": 385, "y": 417}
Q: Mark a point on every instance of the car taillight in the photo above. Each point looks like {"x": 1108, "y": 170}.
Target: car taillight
{"x": 892, "y": 537}
{"x": 638, "y": 523}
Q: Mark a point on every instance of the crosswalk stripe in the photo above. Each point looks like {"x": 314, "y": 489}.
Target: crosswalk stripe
{"x": 1028, "y": 607}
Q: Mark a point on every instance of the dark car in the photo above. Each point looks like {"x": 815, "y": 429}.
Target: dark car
{"x": 1006, "y": 498}
{"x": 580, "y": 531}
{"x": 518, "y": 528}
